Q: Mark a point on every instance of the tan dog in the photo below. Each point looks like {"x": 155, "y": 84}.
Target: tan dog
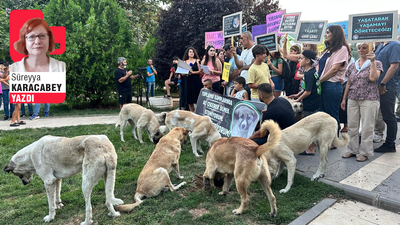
{"x": 141, "y": 117}
{"x": 55, "y": 158}
{"x": 319, "y": 127}
{"x": 201, "y": 127}
{"x": 243, "y": 159}
{"x": 154, "y": 177}
{"x": 297, "y": 108}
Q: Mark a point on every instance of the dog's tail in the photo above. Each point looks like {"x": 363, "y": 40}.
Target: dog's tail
{"x": 130, "y": 207}
{"x": 341, "y": 143}
{"x": 273, "y": 138}
{"x": 122, "y": 112}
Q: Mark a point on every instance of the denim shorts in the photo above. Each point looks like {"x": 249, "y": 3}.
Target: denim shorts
{"x": 278, "y": 83}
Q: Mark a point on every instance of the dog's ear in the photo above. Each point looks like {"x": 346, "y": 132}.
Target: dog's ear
{"x": 185, "y": 131}
{"x": 10, "y": 167}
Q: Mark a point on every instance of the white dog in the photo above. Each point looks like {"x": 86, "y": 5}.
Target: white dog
{"x": 319, "y": 127}
{"x": 55, "y": 158}
{"x": 141, "y": 117}
{"x": 201, "y": 127}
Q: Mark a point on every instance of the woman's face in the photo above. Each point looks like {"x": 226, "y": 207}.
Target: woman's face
{"x": 328, "y": 35}
{"x": 37, "y": 41}
{"x": 191, "y": 53}
{"x": 211, "y": 52}
{"x": 221, "y": 55}
{"x": 293, "y": 52}
{"x": 362, "y": 50}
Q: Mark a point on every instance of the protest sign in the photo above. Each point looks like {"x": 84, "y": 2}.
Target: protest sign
{"x": 225, "y": 71}
{"x": 343, "y": 24}
{"x": 380, "y": 26}
{"x": 273, "y": 21}
{"x": 289, "y": 23}
{"x": 232, "y": 25}
{"x": 231, "y": 116}
{"x": 215, "y": 39}
{"x": 269, "y": 41}
{"x": 244, "y": 27}
{"x": 311, "y": 31}
{"x": 258, "y": 30}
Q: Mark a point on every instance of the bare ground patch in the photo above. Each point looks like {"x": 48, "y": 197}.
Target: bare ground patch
{"x": 198, "y": 212}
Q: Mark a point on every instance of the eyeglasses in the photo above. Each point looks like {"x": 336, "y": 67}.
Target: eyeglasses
{"x": 33, "y": 37}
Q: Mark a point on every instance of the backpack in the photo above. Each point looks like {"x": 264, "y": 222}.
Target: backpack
{"x": 286, "y": 73}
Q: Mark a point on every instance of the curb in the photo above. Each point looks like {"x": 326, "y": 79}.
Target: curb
{"x": 314, "y": 212}
{"x": 364, "y": 196}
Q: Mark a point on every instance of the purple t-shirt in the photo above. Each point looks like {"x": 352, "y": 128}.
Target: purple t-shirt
{"x": 361, "y": 88}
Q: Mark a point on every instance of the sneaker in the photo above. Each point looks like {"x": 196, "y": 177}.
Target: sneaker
{"x": 46, "y": 114}
{"x": 386, "y": 148}
{"x": 30, "y": 114}
{"x": 378, "y": 138}
{"x": 34, "y": 117}
{"x": 361, "y": 158}
{"x": 23, "y": 115}
{"x": 348, "y": 155}
{"x": 6, "y": 118}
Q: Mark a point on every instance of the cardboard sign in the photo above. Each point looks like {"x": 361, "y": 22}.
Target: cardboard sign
{"x": 232, "y": 25}
{"x": 225, "y": 71}
{"x": 270, "y": 41}
{"x": 343, "y": 24}
{"x": 273, "y": 21}
{"x": 290, "y": 22}
{"x": 258, "y": 30}
{"x": 215, "y": 39}
{"x": 244, "y": 27}
{"x": 311, "y": 31}
{"x": 381, "y": 26}
{"x": 231, "y": 116}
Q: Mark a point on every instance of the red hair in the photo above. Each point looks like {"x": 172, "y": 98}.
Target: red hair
{"x": 20, "y": 45}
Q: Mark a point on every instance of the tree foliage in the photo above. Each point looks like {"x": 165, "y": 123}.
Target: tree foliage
{"x": 185, "y": 22}
{"x": 98, "y": 33}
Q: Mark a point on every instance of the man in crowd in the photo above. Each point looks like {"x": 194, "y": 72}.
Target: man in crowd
{"x": 389, "y": 54}
{"x": 279, "y": 110}
{"x": 123, "y": 78}
{"x": 150, "y": 79}
{"x": 246, "y": 58}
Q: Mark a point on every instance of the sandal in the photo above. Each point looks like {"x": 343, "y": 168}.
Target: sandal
{"x": 22, "y": 122}
{"x": 167, "y": 96}
{"x": 14, "y": 124}
{"x": 305, "y": 153}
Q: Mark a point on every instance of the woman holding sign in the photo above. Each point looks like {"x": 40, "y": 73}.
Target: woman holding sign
{"x": 332, "y": 68}
{"x": 214, "y": 68}
{"x": 35, "y": 40}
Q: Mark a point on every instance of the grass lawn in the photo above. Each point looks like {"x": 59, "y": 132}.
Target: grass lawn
{"x": 189, "y": 205}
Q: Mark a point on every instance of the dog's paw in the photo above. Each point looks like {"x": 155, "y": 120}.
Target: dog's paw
{"x": 59, "y": 205}
{"x": 116, "y": 201}
{"x": 122, "y": 140}
{"x": 87, "y": 222}
{"x": 222, "y": 193}
{"x": 197, "y": 155}
{"x": 141, "y": 142}
{"x": 283, "y": 191}
{"x": 116, "y": 214}
{"x": 273, "y": 214}
{"x": 237, "y": 211}
{"x": 48, "y": 218}
{"x": 316, "y": 177}
{"x": 180, "y": 177}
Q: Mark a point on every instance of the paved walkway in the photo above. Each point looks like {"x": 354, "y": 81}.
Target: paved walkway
{"x": 375, "y": 182}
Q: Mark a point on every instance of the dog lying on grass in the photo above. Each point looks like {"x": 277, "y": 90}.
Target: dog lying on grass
{"x": 243, "y": 159}
{"x": 154, "y": 177}
{"x": 55, "y": 158}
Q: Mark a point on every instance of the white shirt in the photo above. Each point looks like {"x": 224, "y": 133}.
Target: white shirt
{"x": 247, "y": 58}
{"x": 54, "y": 66}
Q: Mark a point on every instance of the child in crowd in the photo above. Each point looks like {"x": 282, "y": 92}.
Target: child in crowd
{"x": 238, "y": 89}
{"x": 207, "y": 84}
{"x": 174, "y": 79}
{"x": 311, "y": 93}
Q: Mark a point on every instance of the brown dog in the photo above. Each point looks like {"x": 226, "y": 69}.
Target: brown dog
{"x": 155, "y": 174}
{"x": 243, "y": 159}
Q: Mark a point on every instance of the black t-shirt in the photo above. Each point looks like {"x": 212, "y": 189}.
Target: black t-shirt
{"x": 280, "y": 110}
{"x": 124, "y": 86}
{"x": 312, "y": 102}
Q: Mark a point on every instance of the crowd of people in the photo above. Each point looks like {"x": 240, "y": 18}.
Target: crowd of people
{"x": 363, "y": 92}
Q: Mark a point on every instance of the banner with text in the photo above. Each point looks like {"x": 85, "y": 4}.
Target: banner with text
{"x": 311, "y": 31}
{"x": 273, "y": 21}
{"x": 269, "y": 41}
{"x": 290, "y": 22}
{"x": 215, "y": 39}
{"x": 380, "y": 26}
{"x": 231, "y": 116}
{"x": 232, "y": 25}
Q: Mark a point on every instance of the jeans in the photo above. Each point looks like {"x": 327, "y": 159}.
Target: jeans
{"x": 30, "y": 108}
{"x": 150, "y": 85}
{"x": 6, "y": 102}
{"x": 331, "y": 95}
{"x": 387, "y": 103}
{"x": 37, "y": 108}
